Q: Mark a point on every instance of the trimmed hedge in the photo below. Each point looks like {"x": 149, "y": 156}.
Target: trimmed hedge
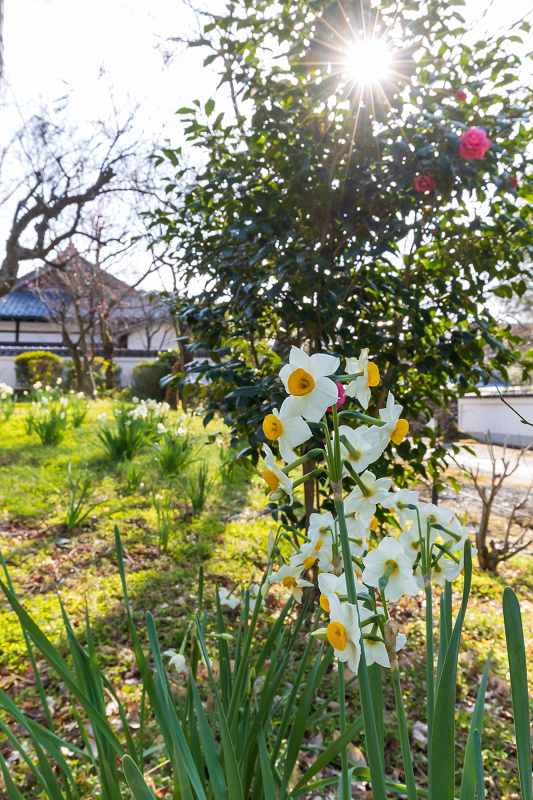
{"x": 38, "y": 365}
{"x": 145, "y": 379}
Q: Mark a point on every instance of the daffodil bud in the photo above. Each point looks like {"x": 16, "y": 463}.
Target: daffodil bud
{"x": 265, "y": 587}
{"x": 270, "y": 543}
{"x": 321, "y": 634}
{"x": 390, "y": 630}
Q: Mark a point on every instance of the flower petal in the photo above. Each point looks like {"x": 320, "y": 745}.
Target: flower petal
{"x": 323, "y": 365}
{"x": 300, "y": 359}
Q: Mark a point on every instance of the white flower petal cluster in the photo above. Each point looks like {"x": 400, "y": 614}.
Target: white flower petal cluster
{"x": 5, "y": 391}
{"x": 390, "y": 554}
{"x": 276, "y": 480}
{"x": 344, "y": 633}
{"x": 377, "y": 491}
{"x": 289, "y": 430}
{"x": 289, "y": 576}
{"x": 306, "y": 380}
{"x": 227, "y": 599}
{"x": 431, "y": 546}
{"x": 177, "y": 660}
{"x": 360, "y": 388}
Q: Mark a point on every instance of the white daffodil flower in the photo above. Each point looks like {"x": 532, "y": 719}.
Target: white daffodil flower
{"x": 177, "y": 660}
{"x": 299, "y": 586}
{"x": 275, "y": 479}
{"x": 460, "y": 531}
{"x": 390, "y": 553}
{"x": 287, "y": 575}
{"x": 318, "y": 550}
{"x": 377, "y": 492}
{"x": 376, "y": 652}
{"x": 410, "y": 541}
{"x": 343, "y": 632}
{"x": 321, "y": 525}
{"x": 336, "y": 584}
{"x": 290, "y": 578}
{"x": 451, "y": 569}
{"x": 305, "y": 379}
{"x": 360, "y": 387}
{"x": 359, "y": 452}
{"x": 395, "y": 429}
{"x": 358, "y": 532}
{"x": 287, "y": 429}
{"x": 402, "y": 497}
{"x": 227, "y": 599}
{"x": 430, "y": 514}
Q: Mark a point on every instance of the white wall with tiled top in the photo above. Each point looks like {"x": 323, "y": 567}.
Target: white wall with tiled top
{"x": 477, "y": 415}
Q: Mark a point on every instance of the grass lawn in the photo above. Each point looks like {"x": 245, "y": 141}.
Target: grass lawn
{"x": 228, "y": 540}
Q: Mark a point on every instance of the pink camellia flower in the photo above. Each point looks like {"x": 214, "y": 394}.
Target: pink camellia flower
{"x": 461, "y": 95}
{"x": 342, "y": 395}
{"x": 474, "y": 143}
{"x": 425, "y": 182}
{"x": 513, "y": 182}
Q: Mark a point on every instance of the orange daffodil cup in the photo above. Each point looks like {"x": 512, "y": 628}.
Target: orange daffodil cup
{"x": 360, "y": 572}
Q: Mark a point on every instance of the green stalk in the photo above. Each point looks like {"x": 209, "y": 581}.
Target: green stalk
{"x": 430, "y": 669}
{"x": 308, "y": 475}
{"x": 402, "y": 729}
{"x": 346, "y": 788}
{"x": 363, "y": 417}
{"x": 317, "y": 451}
{"x": 377, "y": 776}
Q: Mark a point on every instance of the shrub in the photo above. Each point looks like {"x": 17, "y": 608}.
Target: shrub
{"x": 99, "y": 367}
{"x": 38, "y": 365}
{"x": 146, "y": 377}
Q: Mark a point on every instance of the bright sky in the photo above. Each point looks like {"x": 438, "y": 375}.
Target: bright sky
{"x": 85, "y": 49}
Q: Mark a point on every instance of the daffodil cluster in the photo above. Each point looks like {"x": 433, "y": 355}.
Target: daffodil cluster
{"x": 358, "y": 575}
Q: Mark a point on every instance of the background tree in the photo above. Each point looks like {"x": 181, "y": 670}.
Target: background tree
{"x": 91, "y": 306}
{"x": 342, "y": 209}
{"x": 51, "y": 176}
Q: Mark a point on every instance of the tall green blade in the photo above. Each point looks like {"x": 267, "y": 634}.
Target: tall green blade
{"x": 442, "y": 760}
{"x": 216, "y": 773}
{"x": 376, "y": 693}
{"x": 480, "y": 777}
{"x": 468, "y": 782}
{"x": 230, "y": 758}
{"x": 269, "y": 787}
{"x": 331, "y": 751}
{"x": 445, "y": 626}
{"x": 136, "y": 782}
{"x": 514, "y": 635}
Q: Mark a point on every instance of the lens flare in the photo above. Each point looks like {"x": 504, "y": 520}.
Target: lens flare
{"x": 369, "y": 61}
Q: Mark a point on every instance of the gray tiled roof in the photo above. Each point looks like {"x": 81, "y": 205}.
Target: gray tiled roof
{"x": 22, "y": 304}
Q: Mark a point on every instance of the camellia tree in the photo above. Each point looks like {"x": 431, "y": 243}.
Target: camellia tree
{"x": 370, "y": 192}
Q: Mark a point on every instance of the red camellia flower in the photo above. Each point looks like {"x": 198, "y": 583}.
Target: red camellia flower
{"x": 474, "y": 143}
{"x": 425, "y": 182}
{"x": 513, "y": 181}
{"x": 461, "y": 95}
{"x": 342, "y": 395}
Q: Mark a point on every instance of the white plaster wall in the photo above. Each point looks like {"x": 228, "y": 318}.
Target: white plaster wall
{"x": 126, "y": 364}
{"x": 7, "y": 370}
{"x": 477, "y": 415}
{"x": 161, "y": 340}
